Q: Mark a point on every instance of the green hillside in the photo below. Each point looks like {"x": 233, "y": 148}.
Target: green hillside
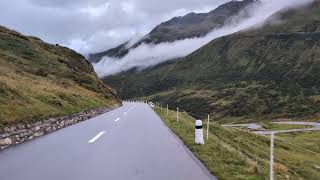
{"x": 39, "y": 80}
{"x": 271, "y": 72}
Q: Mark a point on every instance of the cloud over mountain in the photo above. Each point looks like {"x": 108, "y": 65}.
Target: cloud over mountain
{"x": 93, "y": 25}
{"x": 147, "y": 55}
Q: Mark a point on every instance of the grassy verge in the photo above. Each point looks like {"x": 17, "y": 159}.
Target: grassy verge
{"x": 302, "y": 151}
{"x": 237, "y": 154}
{"x": 309, "y": 140}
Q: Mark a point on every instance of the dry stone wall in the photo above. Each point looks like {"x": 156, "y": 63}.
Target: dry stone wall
{"x": 23, "y": 132}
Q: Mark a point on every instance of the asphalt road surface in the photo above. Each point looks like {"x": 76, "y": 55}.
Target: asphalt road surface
{"x": 129, "y": 143}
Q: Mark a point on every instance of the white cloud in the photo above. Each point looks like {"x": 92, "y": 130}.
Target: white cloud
{"x": 148, "y": 55}
{"x": 96, "y": 11}
{"x": 85, "y": 25}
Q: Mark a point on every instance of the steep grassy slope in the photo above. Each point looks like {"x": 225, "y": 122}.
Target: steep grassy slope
{"x": 269, "y": 72}
{"x": 38, "y": 80}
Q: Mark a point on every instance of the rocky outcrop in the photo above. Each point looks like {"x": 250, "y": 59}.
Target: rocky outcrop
{"x": 23, "y": 132}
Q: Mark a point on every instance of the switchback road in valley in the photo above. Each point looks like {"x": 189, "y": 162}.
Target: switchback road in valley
{"x": 129, "y": 143}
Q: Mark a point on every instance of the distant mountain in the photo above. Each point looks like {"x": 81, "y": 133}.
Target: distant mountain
{"x": 39, "y": 80}
{"x": 188, "y": 26}
{"x": 270, "y": 72}
{"x": 116, "y": 52}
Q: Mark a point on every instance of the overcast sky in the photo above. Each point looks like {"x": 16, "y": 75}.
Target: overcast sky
{"x": 94, "y": 25}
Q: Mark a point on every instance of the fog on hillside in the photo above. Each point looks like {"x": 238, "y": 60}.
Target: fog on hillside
{"x": 147, "y": 55}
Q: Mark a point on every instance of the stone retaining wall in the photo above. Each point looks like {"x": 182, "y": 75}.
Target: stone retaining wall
{"x": 23, "y": 132}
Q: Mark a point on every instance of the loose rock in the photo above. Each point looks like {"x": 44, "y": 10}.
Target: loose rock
{"x": 5, "y": 142}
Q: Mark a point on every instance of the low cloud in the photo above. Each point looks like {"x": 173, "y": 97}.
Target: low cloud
{"x": 148, "y": 55}
{"x": 90, "y": 26}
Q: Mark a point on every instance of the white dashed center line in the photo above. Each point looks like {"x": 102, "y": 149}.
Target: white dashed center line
{"x": 96, "y": 137}
{"x": 117, "y": 120}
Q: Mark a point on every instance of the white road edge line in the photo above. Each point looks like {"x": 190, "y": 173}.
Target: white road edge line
{"x": 117, "y": 120}
{"x": 96, "y": 137}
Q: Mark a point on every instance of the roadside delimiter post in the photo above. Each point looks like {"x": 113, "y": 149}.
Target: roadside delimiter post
{"x": 199, "y": 132}
{"x": 177, "y": 114}
{"x": 167, "y": 110}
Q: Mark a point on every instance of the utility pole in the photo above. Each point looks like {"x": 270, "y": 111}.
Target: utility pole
{"x": 271, "y": 156}
{"x": 208, "y": 125}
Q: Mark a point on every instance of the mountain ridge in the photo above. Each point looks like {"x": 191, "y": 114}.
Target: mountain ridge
{"x": 192, "y": 25}
{"x": 270, "y": 72}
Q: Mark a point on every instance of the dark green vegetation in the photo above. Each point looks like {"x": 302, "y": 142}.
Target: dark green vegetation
{"x": 272, "y": 72}
{"x": 189, "y": 26}
{"x": 39, "y": 80}
{"x": 237, "y": 154}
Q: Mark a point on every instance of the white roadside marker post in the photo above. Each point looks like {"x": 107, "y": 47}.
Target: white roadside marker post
{"x": 271, "y": 156}
{"x": 167, "y": 110}
{"x": 198, "y": 132}
{"x": 177, "y": 114}
{"x": 208, "y": 125}
{"x": 161, "y": 109}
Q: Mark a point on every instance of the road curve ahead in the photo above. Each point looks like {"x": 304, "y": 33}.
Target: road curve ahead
{"x": 129, "y": 143}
